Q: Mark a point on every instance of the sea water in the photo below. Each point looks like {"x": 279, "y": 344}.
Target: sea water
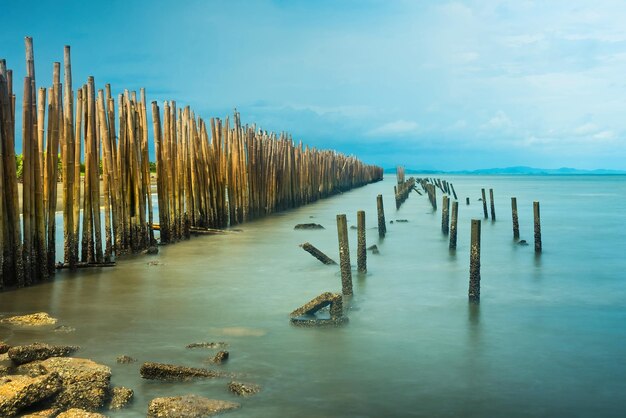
{"x": 547, "y": 339}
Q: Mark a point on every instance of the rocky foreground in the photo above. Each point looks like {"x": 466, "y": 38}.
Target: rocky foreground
{"x": 41, "y": 381}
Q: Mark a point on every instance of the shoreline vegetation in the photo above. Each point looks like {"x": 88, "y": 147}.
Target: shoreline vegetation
{"x": 211, "y": 174}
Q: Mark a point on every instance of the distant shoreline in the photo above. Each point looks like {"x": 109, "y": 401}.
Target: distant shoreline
{"x": 518, "y": 171}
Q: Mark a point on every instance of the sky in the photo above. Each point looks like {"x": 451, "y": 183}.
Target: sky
{"x": 452, "y": 85}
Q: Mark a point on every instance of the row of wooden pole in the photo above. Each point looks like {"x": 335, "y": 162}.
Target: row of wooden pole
{"x": 209, "y": 175}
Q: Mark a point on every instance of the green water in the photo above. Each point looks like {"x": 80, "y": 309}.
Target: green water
{"x": 548, "y": 338}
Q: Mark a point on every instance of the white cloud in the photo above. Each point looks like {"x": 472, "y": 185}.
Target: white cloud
{"x": 606, "y": 135}
{"x": 499, "y": 121}
{"x": 522, "y": 40}
{"x": 586, "y": 129}
{"x": 397, "y": 128}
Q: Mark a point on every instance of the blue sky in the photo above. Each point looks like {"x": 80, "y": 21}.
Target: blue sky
{"x": 426, "y": 84}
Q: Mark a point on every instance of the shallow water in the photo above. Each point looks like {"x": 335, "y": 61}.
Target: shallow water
{"x": 547, "y": 339}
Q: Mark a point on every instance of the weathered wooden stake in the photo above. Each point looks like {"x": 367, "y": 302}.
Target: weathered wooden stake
{"x": 493, "y": 205}
{"x": 515, "y": 220}
{"x": 315, "y": 252}
{"x": 453, "y": 191}
{"x": 344, "y": 255}
{"x": 445, "y": 215}
{"x": 453, "y": 223}
{"x": 484, "y": 203}
{"x": 361, "y": 253}
{"x": 537, "y": 227}
{"x": 474, "y": 282}
{"x": 382, "y": 226}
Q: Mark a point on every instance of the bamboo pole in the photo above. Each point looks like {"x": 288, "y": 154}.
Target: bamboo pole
{"x": 13, "y": 260}
{"x": 68, "y": 150}
{"x": 27, "y": 180}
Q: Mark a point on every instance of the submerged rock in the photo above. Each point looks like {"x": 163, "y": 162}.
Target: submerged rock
{"x": 79, "y": 413}
{"x": 119, "y": 397}
{"x": 220, "y": 357}
{"x": 161, "y": 371}
{"x": 190, "y": 406}
{"x": 309, "y": 226}
{"x": 64, "y": 329}
{"x": 317, "y": 322}
{"x": 402, "y": 220}
{"x": 219, "y": 344}
{"x": 373, "y": 249}
{"x": 85, "y": 382}
{"x": 37, "y": 351}
{"x": 243, "y": 389}
{"x": 19, "y": 392}
{"x": 36, "y": 319}
{"x": 522, "y": 242}
{"x": 152, "y": 250}
{"x": 125, "y": 359}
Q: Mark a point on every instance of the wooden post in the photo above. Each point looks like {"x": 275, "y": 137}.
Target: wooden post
{"x": 382, "y": 226}
{"x": 467, "y": 201}
{"x": 445, "y": 215}
{"x": 515, "y": 220}
{"x": 484, "y": 203}
{"x": 344, "y": 255}
{"x": 453, "y": 191}
{"x": 493, "y": 205}
{"x": 474, "y": 282}
{"x": 453, "y": 223}
{"x": 361, "y": 253}
{"x": 537, "y": 227}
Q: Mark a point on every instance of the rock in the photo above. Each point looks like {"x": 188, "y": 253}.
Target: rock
{"x": 243, "y": 389}
{"x": 85, "y": 382}
{"x": 4, "y": 347}
{"x": 309, "y": 226}
{"x": 19, "y": 392}
{"x": 390, "y": 222}
{"x": 208, "y": 345}
{"x": 36, "y": 319}
{"x": 160, "y": 371}
{"x": 353, "y": 227}
{"x": 335, "y": 301}
{"x": 522, "y": 242}
{"x": 372, "y": 247}
{"x": 44, "y": 413}
{"x": 4, "y": 370}
{"x": 37, "y": 351}
{"x": 402, "y": 220}
{"x": 188, "y": 406}
{"x": 120, "y": 397}
{"x": 220, "y": 357}
{"x": 125, "y": 359}
{"x": 79, "y": 413}
{"x": 32, "y": 369}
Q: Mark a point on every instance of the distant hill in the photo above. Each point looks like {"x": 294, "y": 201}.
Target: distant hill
{"x": 517, "y": 170}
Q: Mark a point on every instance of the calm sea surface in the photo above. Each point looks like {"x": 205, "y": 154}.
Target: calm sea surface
{"x": 548, "y": 338}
